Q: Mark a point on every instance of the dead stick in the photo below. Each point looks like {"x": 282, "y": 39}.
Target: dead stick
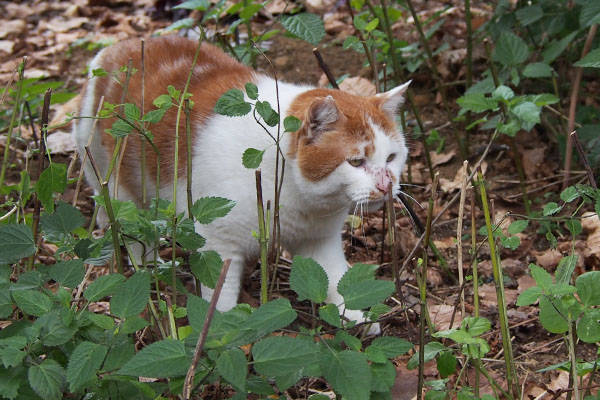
{"x": 325, "y": 68}
{"x": 189, "y": 377}
{"x": 584, "y": 159}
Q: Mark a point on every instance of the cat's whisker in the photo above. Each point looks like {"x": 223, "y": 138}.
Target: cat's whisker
{"x": 411, "y": 185}
{"x": 412, "y": 198}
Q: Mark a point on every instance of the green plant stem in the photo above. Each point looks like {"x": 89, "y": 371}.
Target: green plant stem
{"x": 13, "y": 120}
{"x": 188, "y": 139}
{"x": 262, "y": 239}
{"x": 391, "y": 217}
{"x": 366, "y": 48}
{"x": 441, "y": 88}
{"x": 511, "y": 378}
{"x": 572, "y": 355}
{"x": 475, "y": 282}
{"x": 143, "y": 142}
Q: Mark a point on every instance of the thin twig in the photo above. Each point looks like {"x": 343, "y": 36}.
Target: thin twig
{"x": 325, "y": 68}
{"x": 584, "y": 160}
{"x": 461, "y": 211}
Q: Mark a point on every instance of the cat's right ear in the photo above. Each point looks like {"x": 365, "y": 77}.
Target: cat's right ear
{"x": 322, "y": 114}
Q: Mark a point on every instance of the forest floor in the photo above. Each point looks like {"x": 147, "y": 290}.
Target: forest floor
{"x": 59, "y": 38}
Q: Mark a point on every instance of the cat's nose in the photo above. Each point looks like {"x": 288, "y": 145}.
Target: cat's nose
{"x": 382, "y": 181}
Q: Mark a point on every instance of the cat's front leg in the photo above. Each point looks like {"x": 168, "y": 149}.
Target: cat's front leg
{"x": 330, "y": 255}
{"x": 231, "y": 288}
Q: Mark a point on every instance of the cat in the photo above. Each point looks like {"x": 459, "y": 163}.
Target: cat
{"x": 346, "y": 153}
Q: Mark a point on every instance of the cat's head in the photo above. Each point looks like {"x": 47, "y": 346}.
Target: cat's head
{"x": 349, "y": 149}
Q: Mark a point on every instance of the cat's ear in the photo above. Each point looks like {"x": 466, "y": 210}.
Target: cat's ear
{"x": 392, "y": 99}
{"x": 322, "y": 113}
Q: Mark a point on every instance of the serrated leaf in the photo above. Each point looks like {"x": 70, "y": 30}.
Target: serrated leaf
{"x": 206, "y": 209}
{"x": 330, "y": 314}
{"x": 574, "y": 226}
{"x": 280, "y": 355}
{"x": 118, "y": 355}
{"x": 132, "y": 111}
{"x": 271, "y": 316}
{"x": 306, "y": 26}
{"x": 382, "y": 376}
{"x": 11, "y": 357}
{"x": 477, "y": 102}
{"x": 356, "y": 274}
{"x": 565, "y": 269}
{"x": 518, "y": 226}
{"x": 528, "y": 112}
{"x": 348, "y": 373}
{"x": 569, "y": 194}
{"x": 556, "y": 49}
{"x": 588, "y": 327}
{"x": 476, "y": 326}
{"x": 206, "y": 266}
{"x": 503, "y": 92}
{"x": 308, "y": 279}
{"x": 392, "y": 346}
{"x": 154, "y": 116}
{"x": 510, "y": 50}
{"x": 588, "y": 288}
{"x": 541, "y": 277}
{"x": 53, "y": 330}
{"x": 164, "y": 359}
{"x": 446, "y": 364}
{"x": 47, "y": 379}
{"x": 103, "y": 286}
{"x": 232, "y": 104}
{"x": 510, "y": 242}
{"x": 291, "y": 124}
{"x": 537, "y": 70}
{"x": 553, "y": 316}
{"x": 131, "y": 297}
{"x": 251, "y": 90}
{"x": 133, "y": 324}
{"x": 368, "y": 293}
{"x": 375, "y": 355}
{"x": 84, "y": 363}
{"x": 530, "y": 14}
{"x": 252, "y": 158}
{"x": 163, "y": 102}
{"x": 529, "y": 296}
{"x": 62, "y": 222}
{"x": 432, "y": 349}
{"x": 233, "y": 366}
{"x": 6, "y": 303}
{"x": 269, "y": 115}
{"x": 119, "y": 129}
{"x": 590, "y": 13}
{"x": 16, "y": 242}
{"x": 551, "y": 208}
{"x": 68, "y": 273}
{"x": 200, "y": 5}
{"x": 52, "y": 180}
{"x": 32, "y": 302}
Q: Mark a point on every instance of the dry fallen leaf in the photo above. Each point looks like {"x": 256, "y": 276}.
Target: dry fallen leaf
{"x": 448, "y": 185}
{"x": 532, "y": 160}
{"x": 442, "y": 158}
{"x": 441, "y": 314}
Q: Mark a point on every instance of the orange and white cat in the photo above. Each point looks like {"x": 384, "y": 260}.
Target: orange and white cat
{"x": 347, "y": 152}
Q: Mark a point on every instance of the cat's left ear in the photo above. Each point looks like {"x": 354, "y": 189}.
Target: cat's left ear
{"x": 392, "y": 99}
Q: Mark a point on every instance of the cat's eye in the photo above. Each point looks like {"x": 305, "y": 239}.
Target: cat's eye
{"x": 391, "y": 157}
{"x": 356, "y": 162}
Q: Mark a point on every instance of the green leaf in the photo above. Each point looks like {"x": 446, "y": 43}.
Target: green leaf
{"x": 348, "y": 373}
{"x": 118, "y": 355}
{"x": 330, "y": 314}
{"x": 10, "y": 380}
{"x": 306, "y": 26}
{"x": 119, "y": 129}
{"x": 62, "y": 222}
{"x": 54, "y": 330}
{"x": 52, "y": 180}
{"x": 591, "y": 60}
{"x": 553, "y": 316}
{"x": 392, "y": 346}
{"x": 446, "y": 364}
{"x": 133, "y": 324}
{"x": 372, "y": 25}
{"x": 432, "y": 349}
{"x": 32, "y": 302}
{"x": 375, "y": 355}
{"x": 350, "y": 41}
{"x": 590, "y": 13}
{"x": 476, "y": 326}
{"x": 11, "y": 357}
{"x": 368, "y": 293}
{"x": 200, "y": 5}
{"x": 232, "y": 104}
{"x": 164, "y": 359}
{"x": 132, "y": 112}
{"x": 588, "y": 288}
{"x": 206, "y": 209}
{"x": 382, "y": 376}
{"x": 510, "y": 50}
{"x": 569, "y": 194}
{"x": 503, "y": 92}
{"x": 588, "y": 327}
{"x": 68, "y": 273}
{"x": 477, "y": 102}
{"x": 252, "y": 158}
{"x": 308, "y": 279}
{"x": 530, "y": 14}
{"x": 131, "y": 297}
{"x": 269, "y": 115}
{"x": 537, "y": 70}
{"x": 163, "y": 102}
{"x": 16, "y": 242}
{"x": 528, "y": 112}
{"x": 84, "y": 363}
{"x": 251, "y": 90}
{"x": 541, "y": 277}
{"x": 565, "y": 269}
{"x": 291, "y": 124}
{"x": 510, "y": 242}
{"x": 154, "y": 116}
{"x": 206, "y": 266}
{"x": 123, "y": 210}
{"x": 272, "y": 316}
{"x": 352, "y": 342}
{"x": 574, "y": 226}
{"x": 354, "y": 275}
{"x": 103, "y": 286}
{"x": 280, "y": 355}
{"x": 233, "y": 366}
{"x": 551, "y": 208}
{"x": 47, "y": 379}
{"x": 557, "y": 48}
{"x": 529, "y": 296}
{"x": 518, "y": 226}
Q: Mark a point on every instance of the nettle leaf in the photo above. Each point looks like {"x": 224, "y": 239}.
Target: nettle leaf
{"x": 588, "y": 286}
{"x": 530, "y": 14}
{"x": 103, "y": 286}
{"x": 52, "y": 180}
{"x": 131, "y": 297}
{"x": 280, "y": 355}
{"x": 551, "y": 209}
{"x": 12, "y": 357}
{"x": 16, "y": 242}
{"x": 233, "y": 366}
{"x": 252, "y": 158}
{"x": 569, "y": 194}
{"x": 154, "y": 116}
{"x": 6, "y": 302}
{"x": 541, "y": 277}
{"x": 68, "y": 273}
{"x": 565, "y": 269}
{"x": 590, "y": 13}
{"x": 557, "y": 48}
{"x": 232, "y": 104}
{"x": 382, "y": 376}
{"x": 503, "y": 92}
{"x": 529, "y": 296}
{"x": 588, "y": 327}
{"x": 123, "y": 210}
{"x": 269, "y": 115}
{"x": 510, "y": 50}
{"x": 518, "y": 226}
{"x": 119, "y": 129}
{"x": 358, "y": 273}
{"x": 476, "y": 326}
{"x": 574, "y": 226}
{"x": 432, "y": 349}
{"x": 163, "y": 102}
{"x": 62, "y": 222}
{"x": 200, "y": 5}
{"x": 528, "y": 112}
{"x": 206, "y": 266}
{"x": 132, "y": 111}
{"x": 206, "y": 209}
{"x": 392, "y": 346}
{"x": 84, "y": 364}
{"x": 368, "y": 293}
{"x": 291, "y": 124}
{"x": 306, "y": 26}
{"x": 510, "y": 242}
{"x": 553, "y": 315}
{"x": 591, "y": 60}
{"x": 32, "y": 302}
{"x": 330, "y": 314}
{"x": 537, "y": 70}
{"x": 47, "y": 379}
{"x": 164, "y": 359}
{"x": 348, "y": 373}
{"x": 309, "y": 280}
{"x": 272, "y": 316}
{"x": 446, "y": 364}
{"x": 251, "y": 90}
{"x": 477, "y": 102}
